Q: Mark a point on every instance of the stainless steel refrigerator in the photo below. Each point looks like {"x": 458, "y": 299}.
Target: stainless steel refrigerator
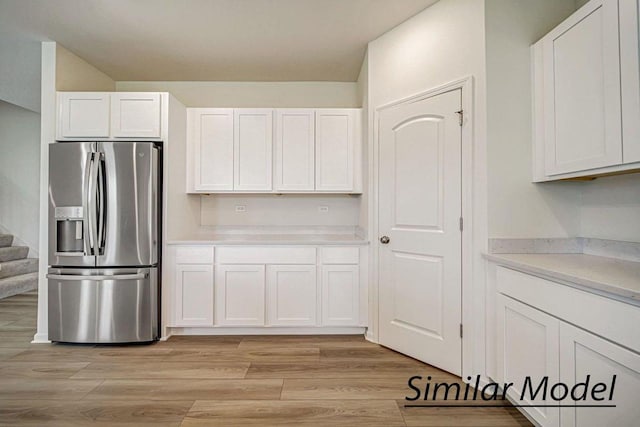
{"x": 104, "y": 240}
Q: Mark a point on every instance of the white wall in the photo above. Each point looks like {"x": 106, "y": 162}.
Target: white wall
{"x": 610, "y": 208}
{"x": 268, "y": 210}
{"x": 518, "y": 208}
{"x": 253, "y": 94}
{"x": 20, "y": 174}
{"x": 20, "y": 71}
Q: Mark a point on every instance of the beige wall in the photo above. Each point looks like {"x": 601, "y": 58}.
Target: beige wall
{"x": 254, "y": 94}
{"x": 363, "y": 96}
{"x": 20, "y": 174}
{"x": 518, "y": 208}
{"x": 75, "y": 74}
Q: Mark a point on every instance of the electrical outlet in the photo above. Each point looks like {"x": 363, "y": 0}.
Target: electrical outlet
{"x": 323, "y": 209}
{"x": 241, "y": 208}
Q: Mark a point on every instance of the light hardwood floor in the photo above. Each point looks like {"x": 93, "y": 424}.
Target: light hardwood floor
{"x": 209, "y": 381}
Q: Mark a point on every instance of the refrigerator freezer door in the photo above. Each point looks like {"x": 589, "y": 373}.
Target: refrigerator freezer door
{"x": 128, "y": 214}
{"x": 70, "y": 165}
{"x": 103, "y": 305}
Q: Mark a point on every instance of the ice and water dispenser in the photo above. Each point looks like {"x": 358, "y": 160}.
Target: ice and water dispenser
{"x": 69, "y": 232}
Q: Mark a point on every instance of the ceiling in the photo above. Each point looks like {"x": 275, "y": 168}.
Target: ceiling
{"x": 242, "y": 40}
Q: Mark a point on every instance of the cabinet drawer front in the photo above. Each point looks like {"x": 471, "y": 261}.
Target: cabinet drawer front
{"x": 601, "y": 315}
{"x": 194, "y": 255}
{"x": 265, "y": 255}
{"x": 340, "y": 255}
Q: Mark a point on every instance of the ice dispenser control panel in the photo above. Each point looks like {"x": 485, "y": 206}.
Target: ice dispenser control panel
{"x": 69, "y": 229}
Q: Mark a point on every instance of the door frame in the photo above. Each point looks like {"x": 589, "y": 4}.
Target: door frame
{"x": 475, "y": 232}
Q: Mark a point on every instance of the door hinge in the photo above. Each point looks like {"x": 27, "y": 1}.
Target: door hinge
{"x": 460, "y": 330}
{"x": 460, "y": 116}
{"x": 461, "y": 224}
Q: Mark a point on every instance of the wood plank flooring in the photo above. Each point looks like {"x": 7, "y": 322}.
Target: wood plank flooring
{"x": 211, "y": 381}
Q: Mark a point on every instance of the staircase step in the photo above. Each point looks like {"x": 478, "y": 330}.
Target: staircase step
{"x": 18, "y": 284}
{"x": 5, "y": 240}
{"x": 13, "y": 252}
{"x": 18, "y": 267}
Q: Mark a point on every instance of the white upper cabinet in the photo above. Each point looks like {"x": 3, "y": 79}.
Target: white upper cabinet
{"x": 315, "y": 150}
{"x": 135, "y": 115}
{"x": 295, "y": 145}
{"x": 109, "y": 116}
{"x": 210, "y": 131}
{"x": 335, "y": 149}
{"x": 253, "y": 149}
{"x": 586, "y": 81}
{"x": 83, "y": 115}
{"x": 582, "y": 91}
{"x": 630, "y": 74}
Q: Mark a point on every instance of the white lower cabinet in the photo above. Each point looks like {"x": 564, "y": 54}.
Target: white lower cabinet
{"x": 340, "y": 295}
{"x": 586, "y": 356}
{"x": 545, "y": 329}
{"x": 240, "y": 295}
{"x": 194, "y": 295}
{"x": 265, "y": 286}
{"x": 527, "y": 342}
{"x": 292, "y": 295}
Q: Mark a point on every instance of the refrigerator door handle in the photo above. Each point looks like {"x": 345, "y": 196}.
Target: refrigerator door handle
{"x": 86, "y": 206}
{"x": 101, "y": 204}
{"x": 92, "y": 189}
{"x": 77, "y": 277}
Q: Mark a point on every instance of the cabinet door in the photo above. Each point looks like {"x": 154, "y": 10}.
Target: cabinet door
{"x": 135, "y": 115}
{"x": 335, "y": 150}
{"x": 83, "y": 115}
{"x": 340, "y": 295}
{"x": 291, "y": 291}
{"x": 527, "y": 346}
{"x": 253, "y": 157}
{"x": 295, "y": 145}
{"x": 194, "y": 295}
{"x": 240, "y": 295}
{"x": 630, "y": 74}
{"x": 583, "y": 128}
{"x": 584, "y": 355}
{"x": 210, "y": 141}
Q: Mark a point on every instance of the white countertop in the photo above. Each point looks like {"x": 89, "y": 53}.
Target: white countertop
{"x": 616, "y": 277}
{"x": 271, "y": 239}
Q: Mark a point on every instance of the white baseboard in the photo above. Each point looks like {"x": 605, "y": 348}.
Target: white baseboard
{"x": 268, "y": 331}
{"x": 41, "y": 339}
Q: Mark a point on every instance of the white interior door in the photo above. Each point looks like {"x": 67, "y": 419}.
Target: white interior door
{"x": 419, "y": 211}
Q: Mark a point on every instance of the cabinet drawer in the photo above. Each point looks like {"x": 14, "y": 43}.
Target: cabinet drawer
{"x": 603, "y": 316}
{"x": 340, "y": 255}
{"x": 194, "y": 255}
{"x": 265, "y": 255}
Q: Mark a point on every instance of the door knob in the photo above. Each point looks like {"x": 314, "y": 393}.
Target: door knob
{"x": 384, "y": 240}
